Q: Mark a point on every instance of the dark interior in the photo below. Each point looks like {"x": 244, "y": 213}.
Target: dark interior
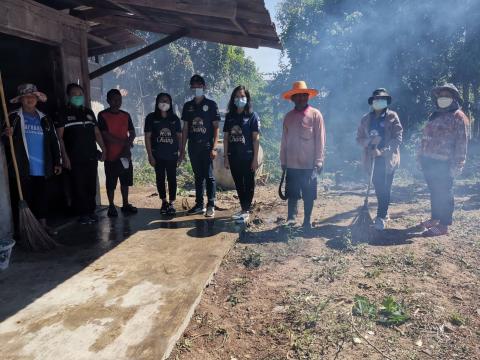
{"x": 25, "y": 61}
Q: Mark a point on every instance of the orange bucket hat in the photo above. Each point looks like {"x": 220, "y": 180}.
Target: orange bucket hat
{"x": 299, "y": 87}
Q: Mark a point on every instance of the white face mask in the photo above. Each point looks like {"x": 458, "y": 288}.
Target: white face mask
{"x": 164, "y": 106}
{"x": 379, "y": 104}
{"x": 444, "y": 102}
{"x": 198, "y": 92}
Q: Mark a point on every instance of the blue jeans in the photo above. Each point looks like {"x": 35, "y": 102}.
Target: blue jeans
{"x": 202, "y": 166}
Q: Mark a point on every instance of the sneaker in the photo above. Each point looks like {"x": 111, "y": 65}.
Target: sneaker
{"x": 290, "y": 222}
{"x": 237, "y": 215}
{"x": 437, "y": 230}
{"x": 243, "y": 218}
{"x": 85, "y": 220}
{"x": 112, "y": 211}
{"x": 210, "y": 212}
{"x": 171, "y": 210}
{"x": 425, "y": 225}
{"x": 93, "y": 217}
{"x": 379, "y": 224}
{"x": 129, "y": 209}
{"x": 197, "y": 209}
{"x": 164, "y": 208}
{"x": 50, "y": 231}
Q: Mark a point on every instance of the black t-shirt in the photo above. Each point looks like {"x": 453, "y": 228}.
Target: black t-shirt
{"x": 164, "y": 139}
{"x": 240, "y": 128}
{"x": 378, "y": 124}
{"x": 79, "y": 133}
{"x": 200, "y": 118}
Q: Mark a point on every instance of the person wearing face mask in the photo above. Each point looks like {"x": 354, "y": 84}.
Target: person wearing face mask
{"x": 380, "y": 134}
{"x": 201, "y": 120}
{"x": 37, "y": 152}
{"x": 442, "y": 155}
{"x": 118, "y": 134}
{"x": 241, "y": 144}
{"x": 163, "y": 137}
{"x": 79, "y": 135}
{"x": 302, "y": 151}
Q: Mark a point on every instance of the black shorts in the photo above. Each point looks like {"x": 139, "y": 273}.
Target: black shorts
{"x": 301, "y": 183}
{"x": 114, "y": 170}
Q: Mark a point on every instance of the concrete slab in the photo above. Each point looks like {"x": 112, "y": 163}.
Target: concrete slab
{"x": 125, "y": 289}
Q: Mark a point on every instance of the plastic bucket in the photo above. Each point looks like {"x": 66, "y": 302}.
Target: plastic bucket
{"x": 5, "y": 252}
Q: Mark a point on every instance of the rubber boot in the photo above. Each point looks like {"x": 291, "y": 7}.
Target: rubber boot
{"x": 292, "y": 209}
{"x": 307, "y": 207}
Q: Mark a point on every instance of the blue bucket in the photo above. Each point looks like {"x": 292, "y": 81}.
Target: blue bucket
{"x": 5, "y": 252}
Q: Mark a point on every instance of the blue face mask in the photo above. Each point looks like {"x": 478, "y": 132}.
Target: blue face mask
{"x": 379, "y": 104}
{"x": 241, "y": 102}
{"x": 77, "y": 100}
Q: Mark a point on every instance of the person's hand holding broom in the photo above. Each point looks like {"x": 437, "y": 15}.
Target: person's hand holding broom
{"x": 33, "y": 236}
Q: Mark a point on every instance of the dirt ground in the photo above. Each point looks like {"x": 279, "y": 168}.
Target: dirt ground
{"x": 285, "y": 294}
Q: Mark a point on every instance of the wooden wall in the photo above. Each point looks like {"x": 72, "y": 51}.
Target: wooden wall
{"x": 33, "y": 21}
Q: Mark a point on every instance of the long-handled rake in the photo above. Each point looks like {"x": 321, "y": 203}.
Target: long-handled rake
{"x": 362, "y": 225}
{"x": 33, "y": 236}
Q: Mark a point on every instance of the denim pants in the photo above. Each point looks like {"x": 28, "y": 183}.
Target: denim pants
{"x": 382, "y": 182}
{"x": 202, "y": 166}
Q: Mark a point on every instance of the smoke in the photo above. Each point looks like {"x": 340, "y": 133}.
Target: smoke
{"x": 348, "y": 48}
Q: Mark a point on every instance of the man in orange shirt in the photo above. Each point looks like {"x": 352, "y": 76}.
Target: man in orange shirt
{"x": 118, "y": 134}
{"x": 302, "y": 151}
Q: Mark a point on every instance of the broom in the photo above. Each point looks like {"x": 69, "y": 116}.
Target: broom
{"x": 361, "y": 226}
{"x": 33, "y": 236}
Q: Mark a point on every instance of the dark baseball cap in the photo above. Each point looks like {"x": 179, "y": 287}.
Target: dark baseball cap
{"x": 197, "y": 79}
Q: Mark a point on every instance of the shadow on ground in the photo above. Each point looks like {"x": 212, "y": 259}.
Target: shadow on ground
{"x": 31, "y": 275}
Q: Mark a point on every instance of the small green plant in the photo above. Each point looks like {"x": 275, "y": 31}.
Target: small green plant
{"x": 252, "y": 259}
{"x": 392, "y": 312}
{"x": 388, "y": 313}
{"x": 457, "y": 319}
{"x": 363, "y": 307}
{"x": 372, "y": 274}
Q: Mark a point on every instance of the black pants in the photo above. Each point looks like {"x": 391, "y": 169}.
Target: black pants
{"x": 168, "y": 168}
{"x": 83, "y": 178}
{"x": 244, "y": 179}
{"x": 382, "y": 182}
{"x": 440, "y": 184}
{"x": 202, "y": 167}
{"x": 35, "y": 192}
{"x": 301, "y": 183}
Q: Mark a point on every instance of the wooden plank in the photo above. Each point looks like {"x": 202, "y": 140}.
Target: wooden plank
{"x": 218, "y": 8}
{"x": 214, "y": 36}
{"x": 156, "y": 45}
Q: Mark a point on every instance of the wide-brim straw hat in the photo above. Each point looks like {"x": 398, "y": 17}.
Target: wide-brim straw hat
{"x": 452, "y": 89}
{"x": 380, "y": 93}
{"x": 28, "y": 89}
{"x": 299, "y": 87}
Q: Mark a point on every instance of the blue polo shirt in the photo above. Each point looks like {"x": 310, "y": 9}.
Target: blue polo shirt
{"x": 34, "y": 140}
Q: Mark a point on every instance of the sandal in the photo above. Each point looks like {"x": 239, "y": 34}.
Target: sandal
{"x": 436, "y": 230}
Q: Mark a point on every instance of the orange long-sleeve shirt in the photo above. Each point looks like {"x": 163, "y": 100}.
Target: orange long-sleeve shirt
{"x": 303, "y": 139}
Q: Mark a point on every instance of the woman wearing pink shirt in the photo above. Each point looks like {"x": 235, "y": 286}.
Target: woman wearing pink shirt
{"x": 302, "y": 151}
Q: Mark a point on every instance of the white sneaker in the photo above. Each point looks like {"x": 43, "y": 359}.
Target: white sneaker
{"x": 210, "y": 212}
{"x": 243, "y": 218}
{"x": 290, "y": 222}
{"x": 380, "y": 224}
{"x": 237, "y": 215}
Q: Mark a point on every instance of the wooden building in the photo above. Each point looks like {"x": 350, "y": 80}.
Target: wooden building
{"x": 49, "y": 42}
